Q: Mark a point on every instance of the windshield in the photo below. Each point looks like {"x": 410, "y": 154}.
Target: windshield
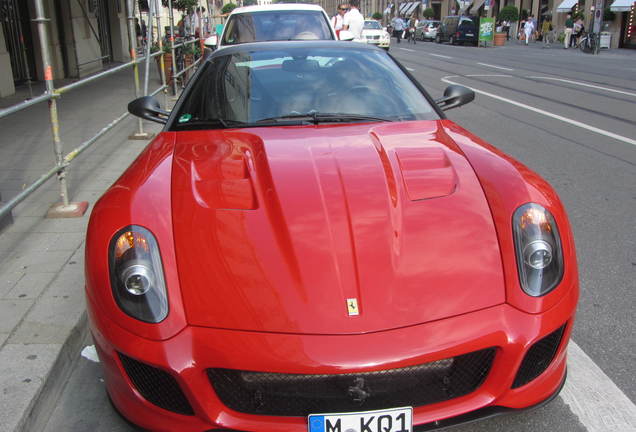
{"x": 245, "y": 87}
{"x": 276, "y": 25}
{"x": 372, "y": 25}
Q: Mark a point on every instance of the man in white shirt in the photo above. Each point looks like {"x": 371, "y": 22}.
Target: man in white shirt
{"x": 353, "y": 20}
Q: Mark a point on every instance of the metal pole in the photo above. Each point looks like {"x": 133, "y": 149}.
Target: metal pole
{"x": 162, "y": 67}
{"x": 174, "y": 58}
{"x": 148, "y": 44}
{"x": 132, "y": 44}
{"x": 48, "y": 78}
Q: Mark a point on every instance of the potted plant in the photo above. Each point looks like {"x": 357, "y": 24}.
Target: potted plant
{"x": 509, "y": 13}
{"x": 428, "y": 13}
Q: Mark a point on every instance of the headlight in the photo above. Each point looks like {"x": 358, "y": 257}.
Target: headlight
{"x": 538, "y": 249}
{"x": 136, "y": 274}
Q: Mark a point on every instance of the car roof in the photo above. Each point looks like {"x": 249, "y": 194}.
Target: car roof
{"x": 277, "y": 7}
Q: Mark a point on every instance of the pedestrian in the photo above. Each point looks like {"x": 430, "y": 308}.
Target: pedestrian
{"x": 506, "y": 28}
{"x": 138, "y": 32}
{"x": 528, "y": 29}
{"x": 569, "y": 25}
{"x": 338, "y": 19}
{"x": 353, "y": 20}
{"x": 411, "y": 30}
{"x": 398, "y": 27}
{"x": 546, "y": 28}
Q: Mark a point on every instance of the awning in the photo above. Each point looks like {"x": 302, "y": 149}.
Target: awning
{"x": 403, "y": 7}
{"x": 622, "y": 6}
{"x": 411, "y": 8}
{"x": 566, "y": 5}
{"x": 475, "y": 7}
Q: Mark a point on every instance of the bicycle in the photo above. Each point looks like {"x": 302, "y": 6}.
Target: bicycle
{"x": 410, "y": 34}
{"x": 588, "y": 43}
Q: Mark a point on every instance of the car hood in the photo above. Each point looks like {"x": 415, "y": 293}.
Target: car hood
{"x": 280, "y": 229}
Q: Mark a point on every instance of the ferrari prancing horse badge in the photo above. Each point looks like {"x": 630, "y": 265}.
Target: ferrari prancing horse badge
{"x": 352, "y": 307}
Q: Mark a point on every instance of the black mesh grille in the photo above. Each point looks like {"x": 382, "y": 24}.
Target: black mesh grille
{"x": 157, "y": 386}
{"x": 299, "y": 395}
{"x": 538, "y": 358}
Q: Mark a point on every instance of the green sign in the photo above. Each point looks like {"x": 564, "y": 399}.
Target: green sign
{"x": 486, "y": 29}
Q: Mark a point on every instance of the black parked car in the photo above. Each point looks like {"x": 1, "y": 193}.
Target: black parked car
{"x": 458, "y": 29}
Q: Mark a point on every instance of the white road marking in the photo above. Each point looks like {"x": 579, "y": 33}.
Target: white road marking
{"x": 496, "y": 67}
{"x": 584, "y": 85}
{"x": 409, "y": 69}
{"x": 406, "y": 49}
{"x": 439, "y": 55}
{"x": 490, "y": 75}
{"x": 546, "y": 113}
{"x": 594, "y": 398}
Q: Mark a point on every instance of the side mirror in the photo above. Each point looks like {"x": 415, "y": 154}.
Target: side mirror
{"x": 455, "y": 96}
{"x": 346, "y": 35}
{"x": 148, "y": 108}
{"x": 211, "y": 42}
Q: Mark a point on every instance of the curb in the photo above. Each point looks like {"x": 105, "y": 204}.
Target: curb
{"x": 37, "y": 414}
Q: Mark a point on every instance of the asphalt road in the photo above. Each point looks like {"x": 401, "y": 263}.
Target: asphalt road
{"x": 572, "y": 118}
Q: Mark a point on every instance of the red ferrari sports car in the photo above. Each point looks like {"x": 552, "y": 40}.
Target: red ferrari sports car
{"x": 310, "y": 245}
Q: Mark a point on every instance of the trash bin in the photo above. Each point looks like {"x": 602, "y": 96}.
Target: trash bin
{"x": 606, "y": 40}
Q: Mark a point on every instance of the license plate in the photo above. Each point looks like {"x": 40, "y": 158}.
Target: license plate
{"x": 469, "y": 34}
{"x": 389, "y": 420}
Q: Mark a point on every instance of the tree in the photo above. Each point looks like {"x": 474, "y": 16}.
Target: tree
{"x": 509, "y": 13}
{"x": 182, "y": 5}
{"x": 228, "y": 8}
{"x": 376, "y": 16}
{"x": 428, "y": 13}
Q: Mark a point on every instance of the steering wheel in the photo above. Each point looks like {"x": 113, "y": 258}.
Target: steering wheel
{"x": 372, "y": 99}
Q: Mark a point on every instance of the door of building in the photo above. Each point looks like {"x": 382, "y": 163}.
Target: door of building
{"x": 14, "y": 15}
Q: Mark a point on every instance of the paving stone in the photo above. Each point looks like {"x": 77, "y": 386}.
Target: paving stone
{"x": 8, "y": 280}
{"x": 67, "y": 242}
{"x": 50, "y": 320}
{"x": 24, "y": 368}
{"x": 12, "y": 312}
{"x": 30, "y": 286}
{"x": 39, "y": 261}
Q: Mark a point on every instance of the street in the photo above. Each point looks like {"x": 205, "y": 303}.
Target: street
{"x": 571, "y": 117}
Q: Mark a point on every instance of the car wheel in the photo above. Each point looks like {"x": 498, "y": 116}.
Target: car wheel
{"x": 451, "y": 40}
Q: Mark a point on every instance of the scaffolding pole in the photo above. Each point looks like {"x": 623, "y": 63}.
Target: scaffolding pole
{"x": 132, "y": 44}
{"x": 162, "y": 68}
{"x": 63, "y": 208}
{"x": 174, "y": 58}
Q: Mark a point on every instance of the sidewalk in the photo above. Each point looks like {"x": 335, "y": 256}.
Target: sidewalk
{"x": 42, "y": 312}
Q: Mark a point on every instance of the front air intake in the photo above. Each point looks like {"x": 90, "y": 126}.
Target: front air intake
{"x": 538, "y": 358}
{"x": 281, "y": 394}
{"x": 156, "y": 386}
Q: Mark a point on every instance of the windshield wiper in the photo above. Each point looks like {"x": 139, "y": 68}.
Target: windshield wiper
{"x": 231, "y": 124}
{"x": 316, "y": 117}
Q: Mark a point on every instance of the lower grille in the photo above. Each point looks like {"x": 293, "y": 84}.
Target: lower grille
{"x": 538, "y": 358}
{"x": 156, "y": 386}
{"x": 280, "y": 394}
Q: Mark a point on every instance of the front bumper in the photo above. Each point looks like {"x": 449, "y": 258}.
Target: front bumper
{"x": 379, "y": 42}
{"x": 188, "y": 355}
